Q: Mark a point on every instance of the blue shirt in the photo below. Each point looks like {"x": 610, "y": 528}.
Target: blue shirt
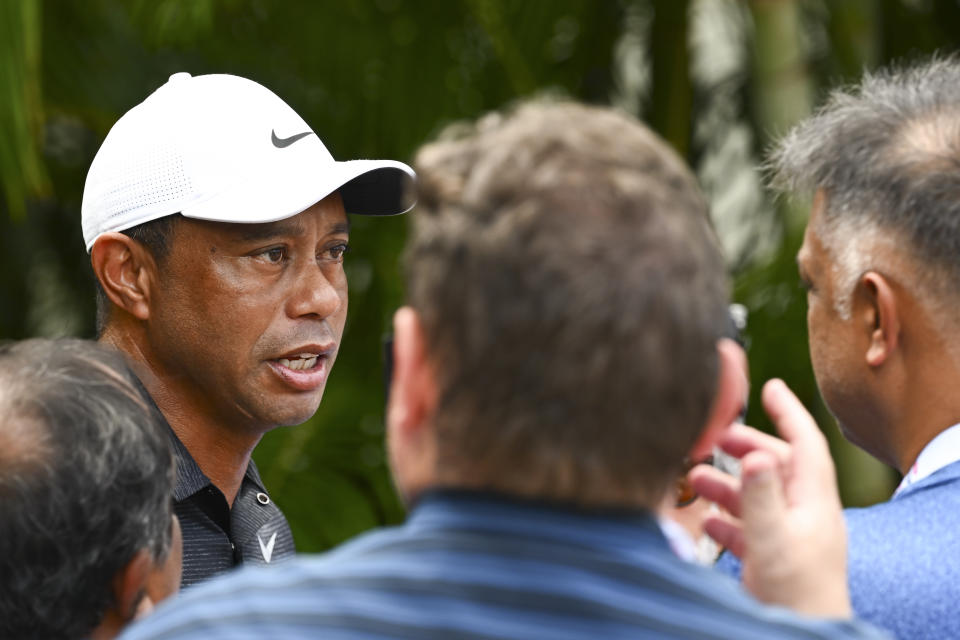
{"x": 904, "y": 559}
{"x": 478, "y": 566}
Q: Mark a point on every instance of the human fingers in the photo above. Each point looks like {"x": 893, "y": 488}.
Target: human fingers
{"x": 739, "y": 440}
{"x": 716, "y": 486}
{"x": 795, "y": 542}
{"x": 812, "y": 459}
{"x": 791, "y": 418}
{"x": 763, "y": 505}
{"x": 727, "y": 533}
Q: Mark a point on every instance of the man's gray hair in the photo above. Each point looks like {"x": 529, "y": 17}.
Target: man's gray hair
{"x": 886, "y": 153}
{"x": 86, "y": 478}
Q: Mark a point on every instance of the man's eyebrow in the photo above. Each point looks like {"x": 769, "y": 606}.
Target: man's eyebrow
{"x": 270, "y": 230}
{"x": 282, "y": 228}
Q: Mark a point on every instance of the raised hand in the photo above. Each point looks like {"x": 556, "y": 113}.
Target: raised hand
{"x": 784, "y": 519}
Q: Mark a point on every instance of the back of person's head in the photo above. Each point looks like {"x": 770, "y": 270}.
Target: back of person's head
{"x": 885, "y": 154}
{"x": 86, "y": 475}
{"x": 572, "y": 292}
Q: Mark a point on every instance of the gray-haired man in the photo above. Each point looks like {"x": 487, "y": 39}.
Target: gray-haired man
{"x": 88, "y": 539}
{"x": 881, "y": 262}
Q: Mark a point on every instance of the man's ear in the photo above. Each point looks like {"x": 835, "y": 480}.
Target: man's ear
{"x": 130, "y": 586}
{"x": 164, "y": 580}
{"x": 124, "y": 268}
{"x": 411, "y": 441}
{"x": 729, "y": 399}
{"x": 130, "y": 600}
{"x": 413, "y": 389}
{"x": 875, "y": 308}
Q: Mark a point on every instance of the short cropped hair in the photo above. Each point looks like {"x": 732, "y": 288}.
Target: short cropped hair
{"x": 157, "y": 237}
{"x": 572, "y": 292}
{"x": 86, "y": 478}
{"x": 886, "y": 153}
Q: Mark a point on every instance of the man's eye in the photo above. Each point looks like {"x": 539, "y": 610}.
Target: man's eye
{"x": 275, "y": 255}
{"x": 336, "y": 252}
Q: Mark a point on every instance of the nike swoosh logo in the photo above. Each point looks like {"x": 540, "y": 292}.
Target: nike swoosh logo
{"x": 267, "y": 549}
{"x": 282, "y": 143}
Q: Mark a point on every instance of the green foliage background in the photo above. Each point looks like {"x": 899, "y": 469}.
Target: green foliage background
{"x": 375, "y": 78}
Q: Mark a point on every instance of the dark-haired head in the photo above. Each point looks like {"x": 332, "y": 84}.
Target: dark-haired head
{"x": 86, "y": 475}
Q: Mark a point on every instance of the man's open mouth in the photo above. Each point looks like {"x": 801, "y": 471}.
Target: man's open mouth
{"x": 305, "y": 368}
{"x": 300, "y": 362}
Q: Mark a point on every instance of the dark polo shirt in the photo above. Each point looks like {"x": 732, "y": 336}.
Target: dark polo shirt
{"x": 216, "y": 538}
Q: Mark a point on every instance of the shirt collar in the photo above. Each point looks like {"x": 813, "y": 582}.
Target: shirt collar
{"x": 939, "y": 452}
{"x": 495, "y": 513}
{"x": 253, "y": 475}
{"x": 191, "y": 479}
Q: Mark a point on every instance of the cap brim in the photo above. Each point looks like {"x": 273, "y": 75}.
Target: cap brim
{"x": 368, "y": 187}
{"x": 381, "y": 188}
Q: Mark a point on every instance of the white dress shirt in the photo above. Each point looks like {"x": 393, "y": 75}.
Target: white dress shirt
{"x": 939, "y": 452}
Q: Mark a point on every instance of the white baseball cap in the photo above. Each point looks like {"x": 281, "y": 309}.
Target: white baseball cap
{"x": 224, "y": 148}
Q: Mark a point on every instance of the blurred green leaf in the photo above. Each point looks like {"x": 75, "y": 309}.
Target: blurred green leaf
{"x": 22, "y": 172}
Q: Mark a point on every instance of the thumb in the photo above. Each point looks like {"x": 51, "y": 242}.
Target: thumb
{"x": 763, "y": 505}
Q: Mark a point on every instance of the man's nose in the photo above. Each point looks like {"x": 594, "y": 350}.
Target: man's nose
{"x": 316, "y": 293}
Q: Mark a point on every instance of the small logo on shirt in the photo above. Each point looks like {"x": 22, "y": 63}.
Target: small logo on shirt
{"x": 267, "y": 549}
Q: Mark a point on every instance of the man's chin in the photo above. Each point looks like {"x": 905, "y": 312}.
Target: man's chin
{"x": 295, "y": 412}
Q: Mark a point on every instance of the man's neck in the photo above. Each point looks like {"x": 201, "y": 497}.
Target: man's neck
{"x": 919, "y": 428}
{"x": 222, "y": 453}
{"x": 222, "y": 450}
{"x": 928, "y": 402}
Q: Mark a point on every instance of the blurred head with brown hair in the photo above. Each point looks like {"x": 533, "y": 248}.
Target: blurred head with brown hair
{"x": 567, "y": 295}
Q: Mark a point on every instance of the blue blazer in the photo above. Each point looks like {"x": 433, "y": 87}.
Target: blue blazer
{"x": 904, "y": 559}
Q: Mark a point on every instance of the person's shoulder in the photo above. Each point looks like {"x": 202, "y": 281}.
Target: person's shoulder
{"x": 737, "y": 612}
{"x": 764, "y": 620}
{"x": 938, "y": 493}
{"x": 886, "y": 533}
{"x": 906, "y": 540}
{"x": 319, "y": 594}
{"x": 904, "y": 556}
{"x": 225, "y": 606}
{"x": 701, "y": 595}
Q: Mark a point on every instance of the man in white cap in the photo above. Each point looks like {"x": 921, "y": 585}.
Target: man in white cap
{"x": 216, "y": 224}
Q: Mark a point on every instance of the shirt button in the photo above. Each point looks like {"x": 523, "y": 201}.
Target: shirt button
{"x": 263, "y": 498}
